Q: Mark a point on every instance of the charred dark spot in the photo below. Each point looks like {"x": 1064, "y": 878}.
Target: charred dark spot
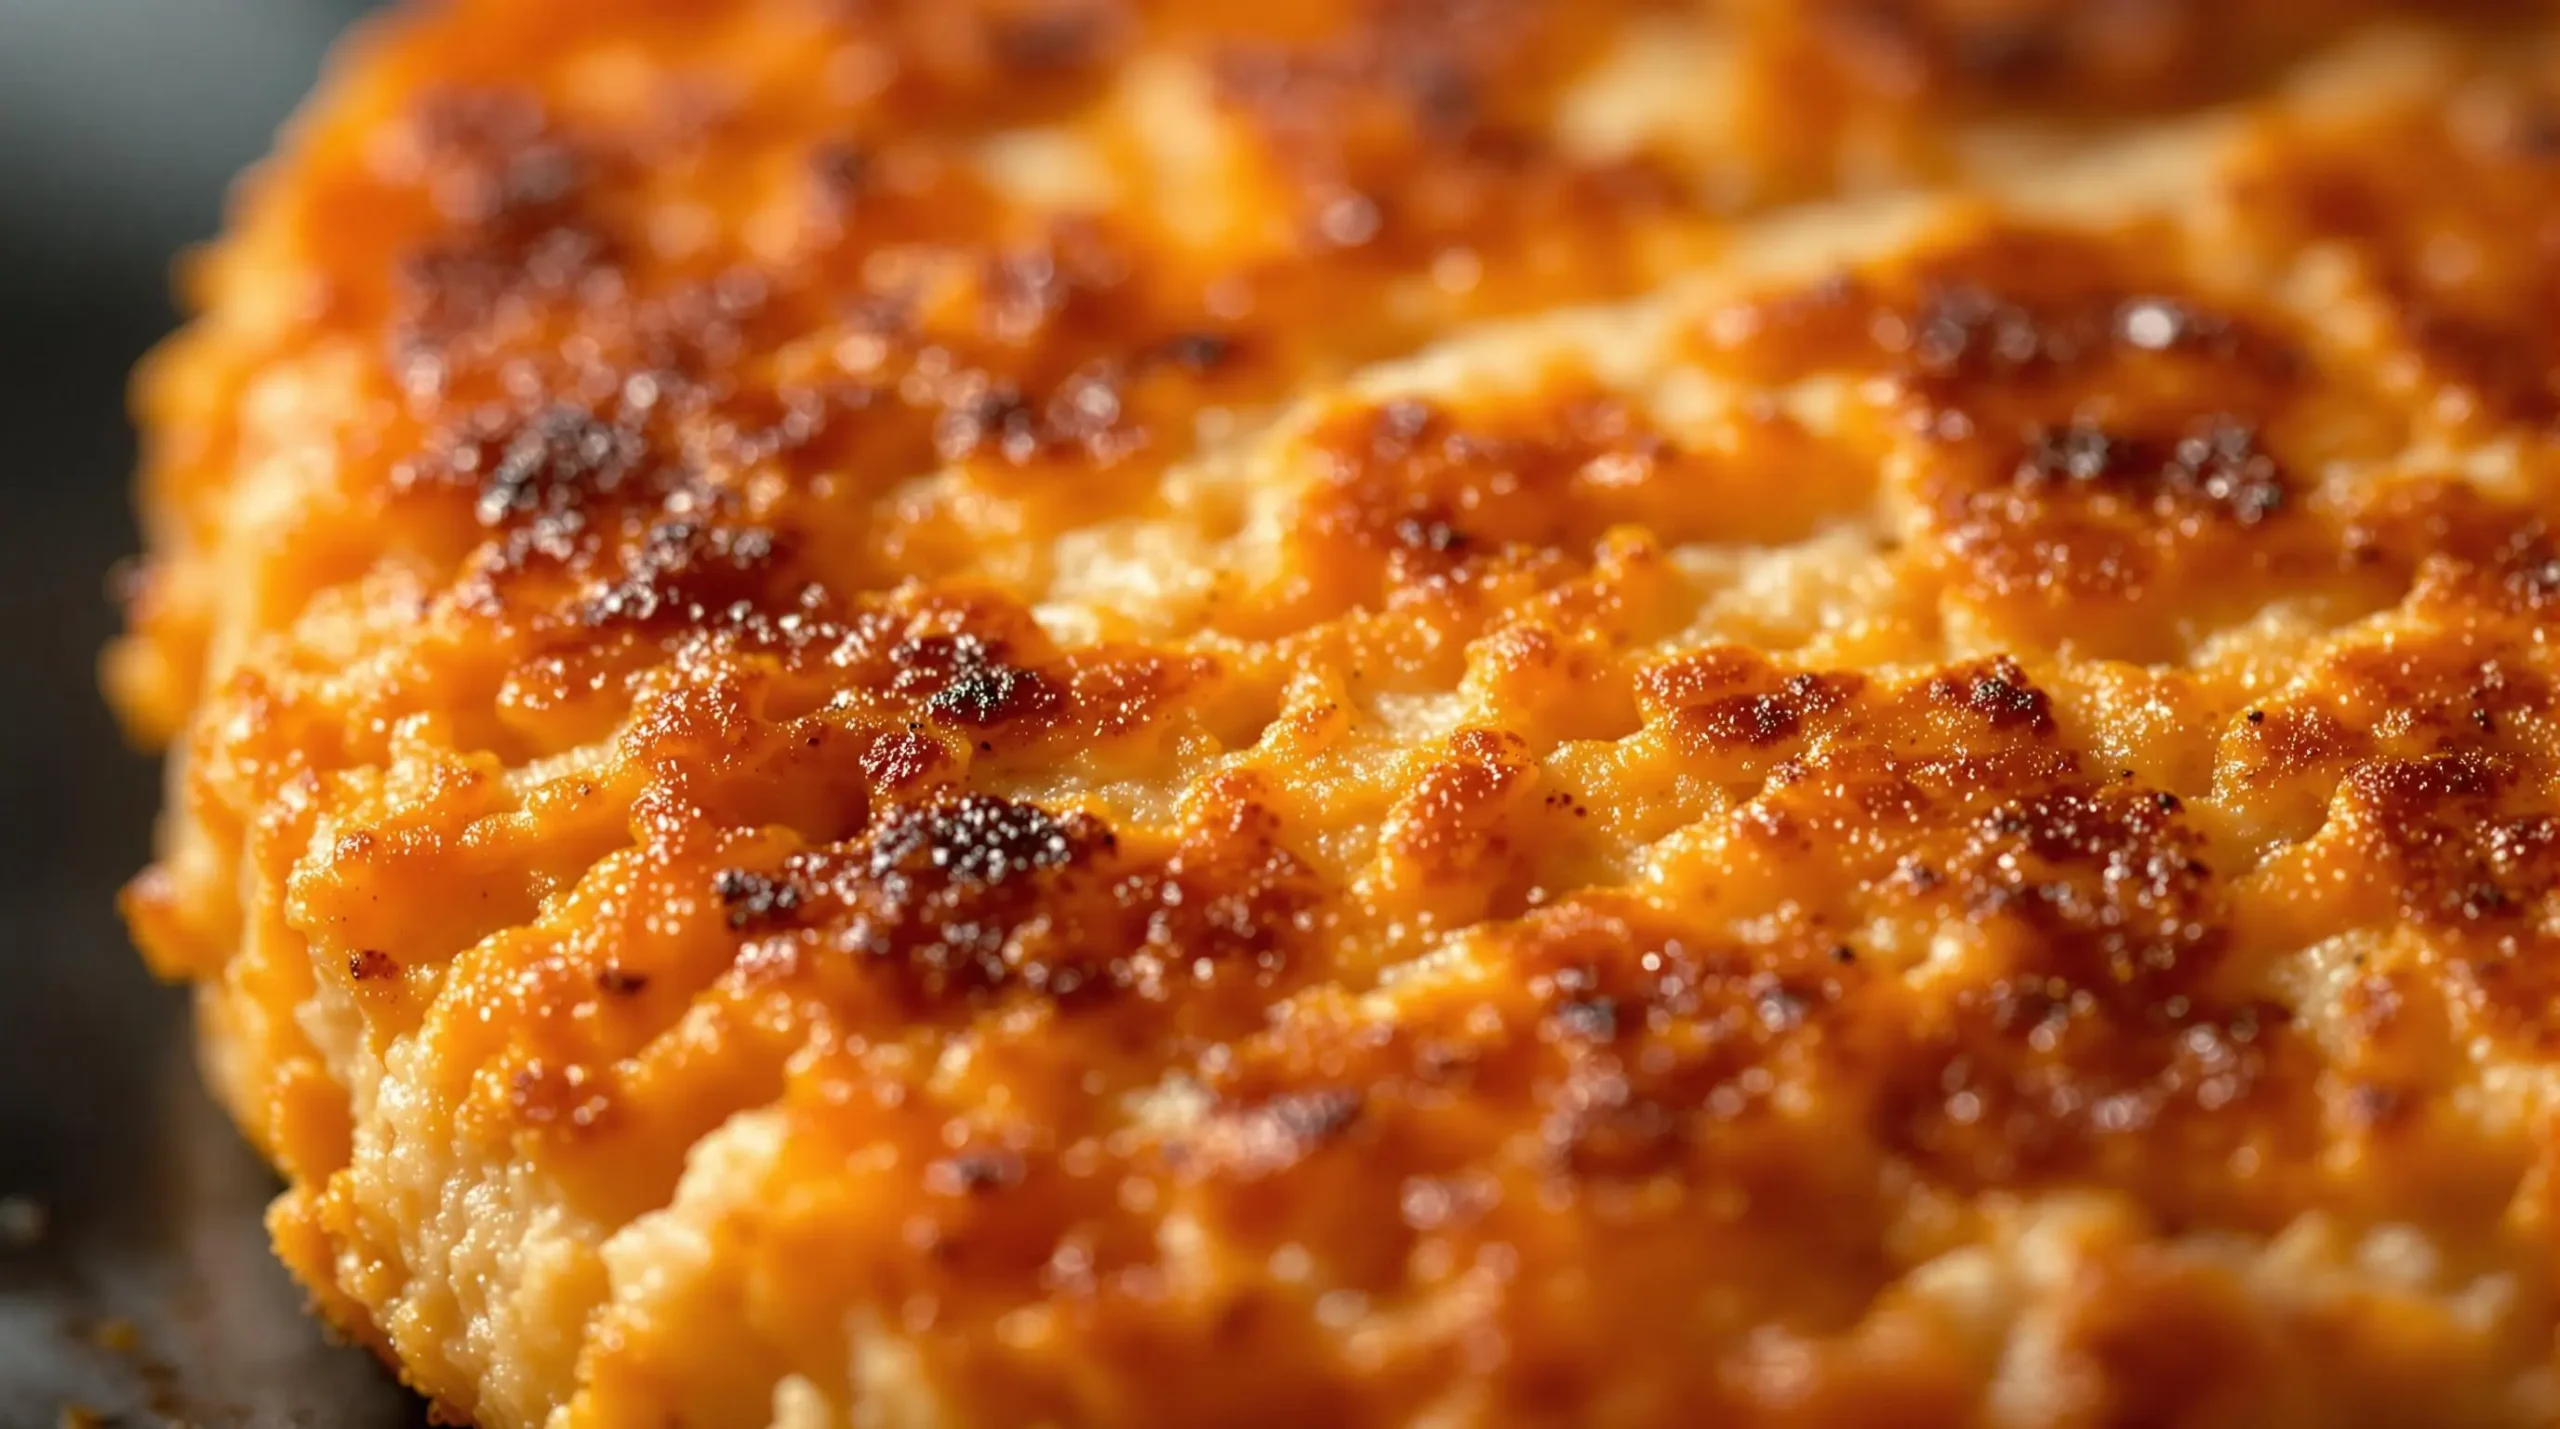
{"x": 2373, "y": 1105}
{"x": 2107, "y": 875}
{"x": 1271, "y": 1137}
{"x": 2217, "y": 463}
{"x": 1419, "y": 533}
{"x": 840, "y": 169}
{"x": 979, "y": 840}
{"x": 1782, "y": 1008}
{"x": 495, "y": 159}
{"x": 555, "y": 462}
{"x": 989, "y": 694}
{"x": 621, "y": 982}
{"x": 1761, "y": 709}
{"x": 2532, "y": 131}
{"x": 998, "y": 419}
{"x": 1591, "y": 1019}
{"x": 959, "y": 898}
{"x": 1047, "y": 43}
{"x": 1748, "y": 719}
{"x": 1961, "y": 328}
{"x": 2223, "y": 463}
{"x": 2004, "y": 701}
{"x": 2428, "y": 822}
{"x": 695, "y": 574}
{"x": 2009, "y": 51}
{"x": 753, "y": 897}
{"x": 975, "y": 1173}
{"x": 511, "y": 195}
{"x": 1409, "y": 483}
{"x": 1314, "y": 1117}
{"x": 970, "y": 682}
{"x": 2000, "y": 693}
{"x": 371, "y": 965}
{"x": 1198, "y": 352}
{"x": 2483, "y": 900}
{"x": 2529, "y": 569}
{"x": 1445, "y": 98}
{"x": 2082, "y": 451}
{"x": 538, "y": 177}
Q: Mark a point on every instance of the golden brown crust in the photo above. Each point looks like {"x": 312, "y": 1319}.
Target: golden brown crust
{"x": 845, "y": 759}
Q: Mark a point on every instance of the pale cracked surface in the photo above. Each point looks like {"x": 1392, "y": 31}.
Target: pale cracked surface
{"x": 1400, "y": 712}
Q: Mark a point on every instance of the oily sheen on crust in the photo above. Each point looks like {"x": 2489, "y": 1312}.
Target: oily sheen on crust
{"x": 1117, "y": 714}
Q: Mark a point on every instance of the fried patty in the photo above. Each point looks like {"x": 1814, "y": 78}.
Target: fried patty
{"x": 1397, "y": 712}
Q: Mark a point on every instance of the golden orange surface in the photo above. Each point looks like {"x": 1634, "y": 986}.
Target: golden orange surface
{"x": 1437, "y": 713}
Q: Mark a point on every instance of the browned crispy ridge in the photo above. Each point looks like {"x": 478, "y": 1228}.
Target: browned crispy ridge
{"x": 1004, "y": 713}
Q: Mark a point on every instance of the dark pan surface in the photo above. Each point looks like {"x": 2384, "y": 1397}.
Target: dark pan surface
{"x": 147, "y": 1295}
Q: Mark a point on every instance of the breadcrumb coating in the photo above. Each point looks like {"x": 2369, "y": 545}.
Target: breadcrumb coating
{"x": 1386, "y": 712}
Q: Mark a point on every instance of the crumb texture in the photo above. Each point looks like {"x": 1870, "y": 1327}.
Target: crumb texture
{"x": 1447, "y": 713}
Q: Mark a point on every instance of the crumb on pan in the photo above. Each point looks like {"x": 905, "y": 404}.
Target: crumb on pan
{"x": 22, "y": 1221}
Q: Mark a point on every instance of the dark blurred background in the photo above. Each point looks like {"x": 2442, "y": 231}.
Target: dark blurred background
{"x": 134, "y": 1279}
